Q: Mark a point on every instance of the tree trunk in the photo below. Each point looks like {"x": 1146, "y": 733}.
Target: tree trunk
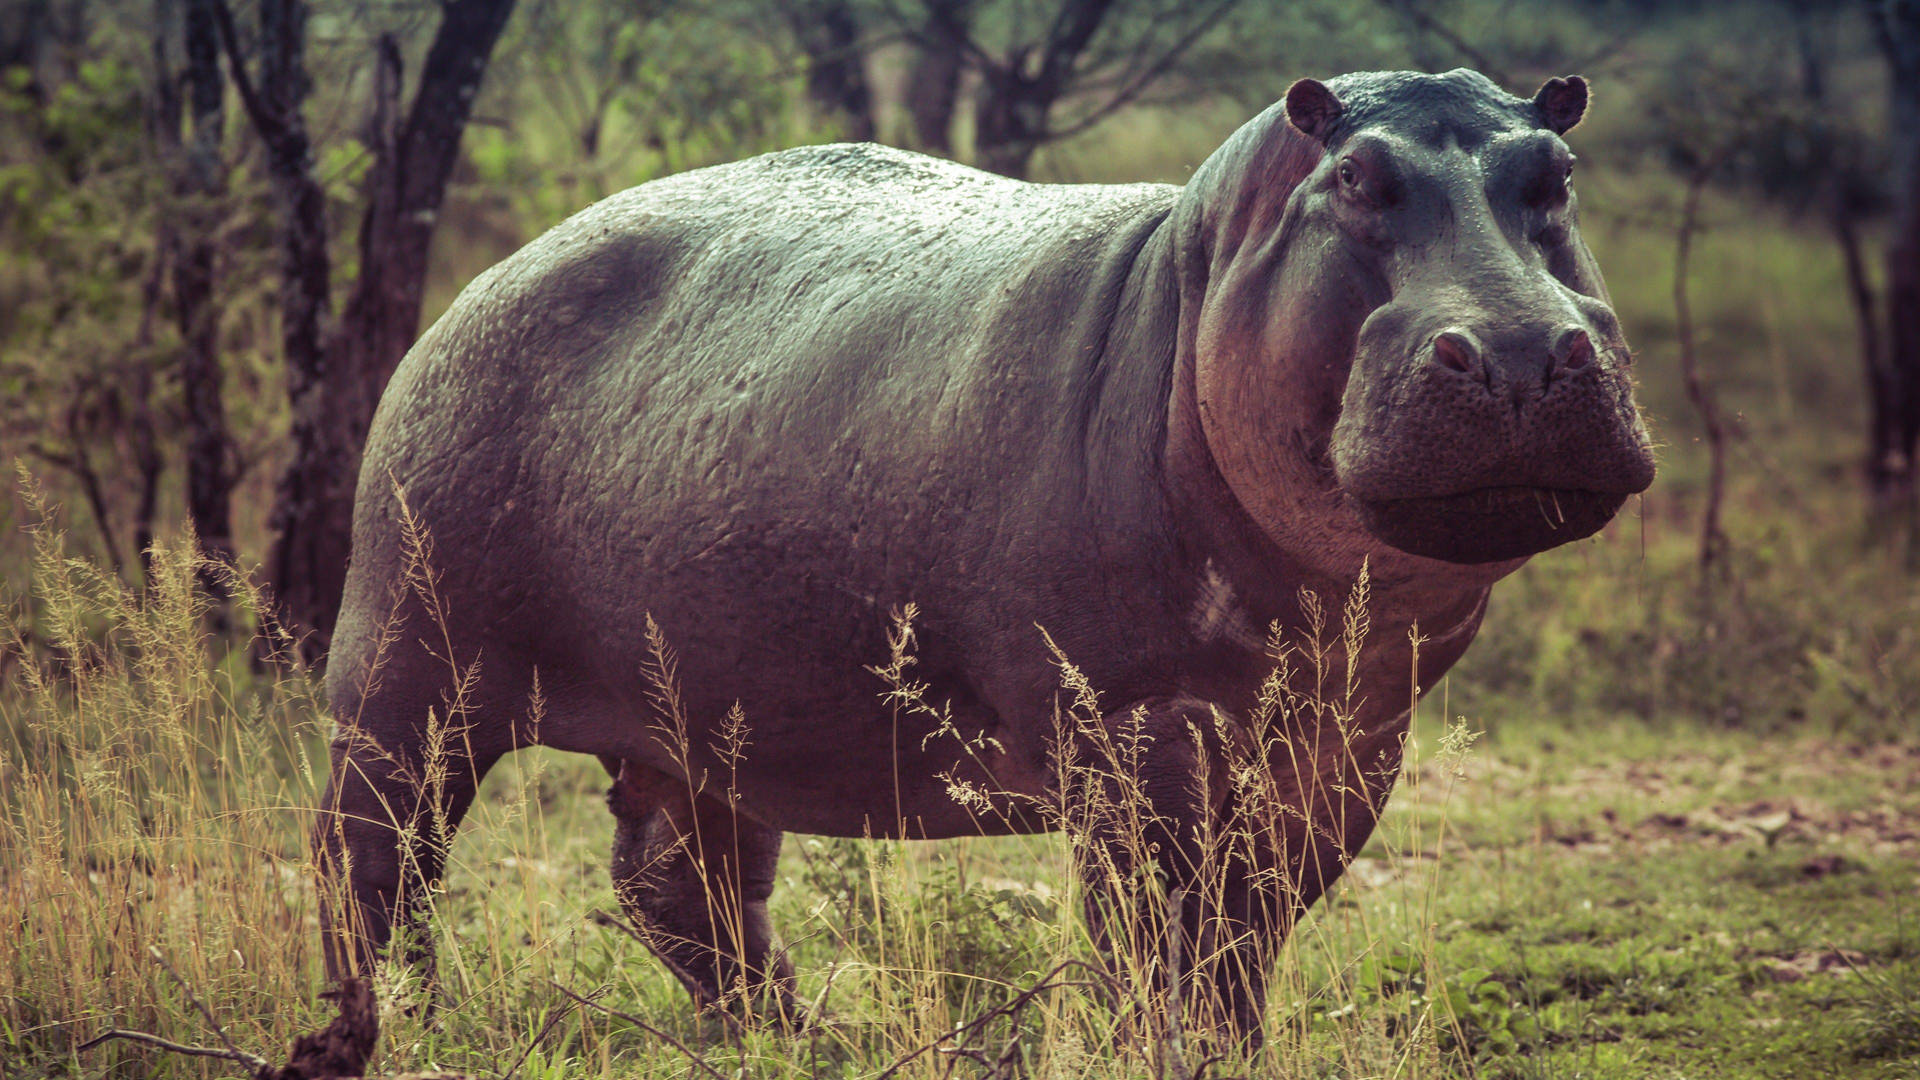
{"x": 1009, "y": 123}
{"x": 1014, "y": 104}
{"x": 1896, "y": 402}
{"x": 382, "y": 317}
{"x": 1713, "y": 539}
{"x": 1895, "y": 423}
{"x": 829, "y": 34}
{"x": 933, "y": 89}
{"x": 335, "y": 381}
{"x": 142, "y": 429}
{"x": 200, "y": 183}
{"x": 1873, "y": 362}
{"x": 299, "y": 562}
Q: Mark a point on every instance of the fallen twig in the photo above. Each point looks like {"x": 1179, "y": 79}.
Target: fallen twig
{"x": 554, "y": 1016}
{"x": 1012, "y": 1008}
{"x": 187, "y": 989}
{"x": 696, "y": 1059}
{"x": 255, "y": 1064}
{"x": 259, "y": 1066}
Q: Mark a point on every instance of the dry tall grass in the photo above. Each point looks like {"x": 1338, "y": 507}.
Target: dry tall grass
{"x": 157, "y": 794}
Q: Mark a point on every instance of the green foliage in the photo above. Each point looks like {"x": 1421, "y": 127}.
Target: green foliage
{"x": 595, "y": 100}
{"x": 1474, "y": 1013}
{"x": 994, "y": 938}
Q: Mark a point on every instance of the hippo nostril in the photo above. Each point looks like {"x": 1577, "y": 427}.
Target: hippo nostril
{"x": 1456, "y": 350}
{"x": 1574, "y": 350}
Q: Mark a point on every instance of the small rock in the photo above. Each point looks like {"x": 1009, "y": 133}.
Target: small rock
{"x": 1821, "y": 866}
{"x": 1800, "y": 965}
{"x": 1781, "y": 971}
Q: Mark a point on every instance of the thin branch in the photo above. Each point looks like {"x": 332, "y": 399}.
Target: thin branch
{"x": 1020, "y": 1001}
{"x": 259, "y": 1066}
{"x": 265, "y": 121}
{"x": 920, "y": 37}
{"x": 187, "y": 989}
{"x": 80, "y": 464}
{"x": 546, "y": 1028}
{"x": 1713, "y": 540}
{"x": 696, "y": 1059}
{"x": 1605, "y": 51}
{"x": 1073, "y": 29}
{"x": 256, "y": 1065}
{"x": 1431, "y": 25}
{"x": 1134, "y": 85}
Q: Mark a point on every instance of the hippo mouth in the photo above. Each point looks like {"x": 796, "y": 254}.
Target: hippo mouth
{"x": 1489, "y": 524}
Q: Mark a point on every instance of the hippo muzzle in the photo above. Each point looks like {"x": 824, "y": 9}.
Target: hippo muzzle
{"x": 1494, "y": 439}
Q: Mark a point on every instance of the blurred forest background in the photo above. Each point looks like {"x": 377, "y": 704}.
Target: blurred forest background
{"x": 222, "y": 224}
{"x": 1689, "y": 843}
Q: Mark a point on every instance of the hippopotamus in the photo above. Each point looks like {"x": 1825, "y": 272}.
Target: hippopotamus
{"x": 658, "y": 487}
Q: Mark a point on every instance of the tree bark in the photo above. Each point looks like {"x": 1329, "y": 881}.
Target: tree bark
{"x": 297, "y": 563}
{"x": 933, "y": 89}
{"x": 1020, "y": 91}
{"x": 1895, "y": 425}
{"x": 1011, "y": 114}
{"x": 314, "y": 521}
{"x": 1713, "y": 538}
{"x": 142, "y": 428}
{"x": 1879, "y": 380}
{"x": 1009, "y": 123}
{"x": 200, "y": 182}
{"x": 334, "y": 380}
{"x": 405, "y": 189}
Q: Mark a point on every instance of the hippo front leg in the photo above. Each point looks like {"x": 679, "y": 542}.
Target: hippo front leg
{"x": 1169, "y": 899}
{"x": 1224, "y": 834}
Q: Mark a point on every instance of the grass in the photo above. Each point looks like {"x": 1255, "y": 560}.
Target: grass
{"x": 1608, "y": 888}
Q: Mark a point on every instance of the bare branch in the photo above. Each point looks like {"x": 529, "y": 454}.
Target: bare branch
{"x": 1019, "y": 1002}
{"x": 1072, "y": 31}
{"x": 255, "y": 1065}
{"x": 698, "y": 1061}
{"x": 265, "y": 120}
{"x": 554, "y": 1016}
{"x": 1133, "y": 86}
{"x": 1408, "y": 10}
{"x": 187, "y": 989}
{"x": 1606, "y": 50}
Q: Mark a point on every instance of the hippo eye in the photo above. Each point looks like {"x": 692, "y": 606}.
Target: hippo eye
{"x": 1349, "y": 175}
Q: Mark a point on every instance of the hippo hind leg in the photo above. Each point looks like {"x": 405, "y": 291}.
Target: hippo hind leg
{"x": 388, "y": 817}
{"x": 694, "y": 876}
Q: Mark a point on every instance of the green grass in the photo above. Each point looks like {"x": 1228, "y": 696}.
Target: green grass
{"x": 1603, "y": 887}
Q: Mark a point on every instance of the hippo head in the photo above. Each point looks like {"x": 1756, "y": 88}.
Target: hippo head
{"x": 1403, "y": 341}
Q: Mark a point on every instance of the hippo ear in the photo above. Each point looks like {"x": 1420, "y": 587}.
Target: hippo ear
{"x": 1562, "y": 102}
{"x": 1312, "y": 108}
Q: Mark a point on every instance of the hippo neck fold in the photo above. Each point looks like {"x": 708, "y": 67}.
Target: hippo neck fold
{"x": 1236, "y": 206}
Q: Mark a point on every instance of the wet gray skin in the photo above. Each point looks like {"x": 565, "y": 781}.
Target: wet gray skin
{"x": 769, "y": 403}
